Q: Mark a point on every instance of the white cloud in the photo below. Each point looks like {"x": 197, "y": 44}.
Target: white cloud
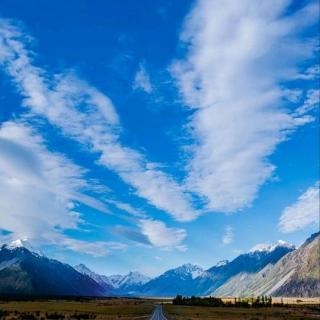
{"x": 239, "y": 55}
{"x": 312, "y": 72}
{"x": 96, "y": 248}
{"x": 88, "y": 116}
{"x": 39, "y": 191}
{"x": 162, "y": 236}
{"x": 260, "y": 247}
{"x": 142, "y": 80}
{"x": 228, "y": 235}
{"x": 312, "y": 101}
{"x": 304, "y": 212}
{"x": 127, "y": 208}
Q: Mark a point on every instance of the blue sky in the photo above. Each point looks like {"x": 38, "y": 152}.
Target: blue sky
{"x": 141, "y": 135}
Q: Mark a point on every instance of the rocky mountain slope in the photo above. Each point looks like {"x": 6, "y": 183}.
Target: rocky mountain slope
{"x": 305, "y": 279}
{"x": 295, "y": 274}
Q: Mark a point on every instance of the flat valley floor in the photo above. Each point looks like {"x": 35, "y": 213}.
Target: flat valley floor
{"x": 135, "y": 309}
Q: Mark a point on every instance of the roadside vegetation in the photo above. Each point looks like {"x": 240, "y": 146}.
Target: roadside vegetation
{"x": 259, "y": 308}
{"x": 258, "y": 302}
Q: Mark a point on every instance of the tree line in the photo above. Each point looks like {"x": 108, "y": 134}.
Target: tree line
{"x": 260, "y": 301}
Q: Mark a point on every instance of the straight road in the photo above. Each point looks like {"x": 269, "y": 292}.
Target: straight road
{"x": 158, "y": 313}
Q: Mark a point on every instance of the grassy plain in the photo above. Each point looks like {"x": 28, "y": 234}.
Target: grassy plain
{"x": 110, "y": 309}
{"x": 293, "y": 312}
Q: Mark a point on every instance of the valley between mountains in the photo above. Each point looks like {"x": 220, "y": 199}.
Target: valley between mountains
{"x": 278, "y": 270}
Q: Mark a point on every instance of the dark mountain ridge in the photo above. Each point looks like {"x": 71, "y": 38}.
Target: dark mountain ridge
{"x": 28, "y": 273}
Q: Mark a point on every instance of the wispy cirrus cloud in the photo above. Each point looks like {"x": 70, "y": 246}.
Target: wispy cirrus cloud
{"x": 238, "y": 60}
{"x": 310, "y": 103}
{"x": 228, "y": 235}
{"x": 85, "y": 114}
{"x": 304, "y": 212}
{"x": 39, "y": 192}
{"x": 142, "y": 80}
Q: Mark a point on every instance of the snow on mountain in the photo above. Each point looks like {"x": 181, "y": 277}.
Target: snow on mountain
{"x": 187, "y": 279}
{"x": 25, "y": 271}
{"x": 123, "y": 284}
{"x": 24, "y": 243}
{"x": 189, "y": 270}
{"x": 294, "y": 274}
{"x": 222, "y": 263}
{"x": 100, "y": 279}
{"x": 130, "y": 282}
{"x": 265, "y": 247}
{"x": 180, "y": 280}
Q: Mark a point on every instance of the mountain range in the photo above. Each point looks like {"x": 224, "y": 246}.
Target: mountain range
{"x": 277, "y": 270}
{"x": 128, "y": 284}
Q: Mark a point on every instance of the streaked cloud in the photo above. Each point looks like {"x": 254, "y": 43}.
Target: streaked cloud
{"x": 88, "y": 116}
{"x": 228, "y": 235}
{"x": 234, "y": 76}
{"x": 304, "y": 212}
{"x": 154, "y": 233}
{"x": 311, "y": 102}
{"x": 40, "y": 190}
{"x": 142, "y": 80}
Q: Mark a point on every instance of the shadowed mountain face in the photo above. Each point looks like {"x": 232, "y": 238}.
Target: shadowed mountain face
{"x": 26, "y": 272}
{"x": 175, "y": 281}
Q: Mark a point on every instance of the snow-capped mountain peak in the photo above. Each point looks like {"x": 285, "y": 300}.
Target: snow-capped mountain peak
{"x": 23, "y": 243}
{"x": 265, "y": 247}
{"x": 83, "y": 269}
{"x": 222, "y": 263}
{"x": 132, "y": 278}
{"x": 189, "y": 269}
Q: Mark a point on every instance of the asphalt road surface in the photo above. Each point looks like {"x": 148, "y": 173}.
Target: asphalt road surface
{"x": 158, "y": 313}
